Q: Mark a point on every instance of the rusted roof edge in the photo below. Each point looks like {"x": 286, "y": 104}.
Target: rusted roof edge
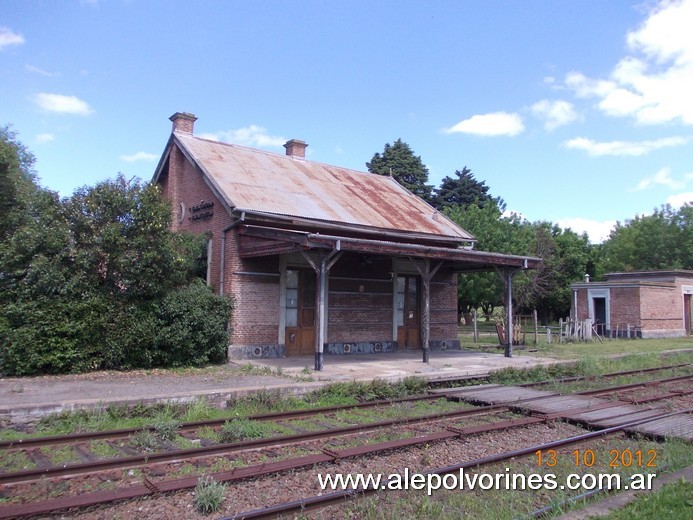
{"x": 358, "y": 228}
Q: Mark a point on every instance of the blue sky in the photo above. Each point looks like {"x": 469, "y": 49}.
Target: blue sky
{"x": 577, "y": 112}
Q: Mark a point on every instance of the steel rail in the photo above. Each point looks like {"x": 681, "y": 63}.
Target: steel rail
{"x": 434, "y": 382}
{"x": 635, "y": 385}
{"x": 611, "y": 374}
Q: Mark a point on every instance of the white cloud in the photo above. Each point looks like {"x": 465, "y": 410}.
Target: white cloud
{"x": 679, "y": 200}
{"x": 140, "y": 156}
{"x": 653, "y": 83}
{"x": 252, "y": 135}
{"x": 36, "y": 70}
{"x": 662, "y": 177}
{"x": 63, "y": 104}
{"x": 598, "y": 231}
{"x": 554, "y": 113}
{"x": 45, "y": 138}
{"x": 493, "y": 124}
{"x": 8, "y": 37}
{"x": 620, "y": 148}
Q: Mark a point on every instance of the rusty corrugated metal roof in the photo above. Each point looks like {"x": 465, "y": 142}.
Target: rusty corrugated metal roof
{"x": 257, "y": 180}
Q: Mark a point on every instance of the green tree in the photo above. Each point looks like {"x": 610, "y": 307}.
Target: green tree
{"x": 658, "y": 241}
{"x": 494, "y": 233}
{"x": 565, "y": 259}
{"x": 95, "y": 281}
{"x": 17, "y": 180}
{"x": 398, "y": 161}
{"x": 463, "y": 190}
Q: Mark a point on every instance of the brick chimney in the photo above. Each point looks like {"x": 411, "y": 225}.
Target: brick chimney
{"x": 183, "y": 122}
{"x": 296, "y": 148}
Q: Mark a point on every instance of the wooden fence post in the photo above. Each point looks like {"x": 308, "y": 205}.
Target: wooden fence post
{"x": 560, "y": 330}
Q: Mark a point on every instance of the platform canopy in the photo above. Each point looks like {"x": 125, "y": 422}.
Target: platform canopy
{"x": 258, "y": 241}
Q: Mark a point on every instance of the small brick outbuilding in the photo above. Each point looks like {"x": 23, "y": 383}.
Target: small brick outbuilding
{"x": 320, "y": 259}
{"x": 651, "y": 304}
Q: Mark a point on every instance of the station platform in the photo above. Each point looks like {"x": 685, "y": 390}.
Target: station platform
{"x": 27, "y": 399}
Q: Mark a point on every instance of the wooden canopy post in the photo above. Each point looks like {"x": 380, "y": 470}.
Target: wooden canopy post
{"x": 508, "y": 279}
{"x": 322, "y": 268}
{"x": 426, "y": 276}
{"x": 320, "y": 312}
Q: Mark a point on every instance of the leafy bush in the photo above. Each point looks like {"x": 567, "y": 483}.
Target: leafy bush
{"x": 193, "y": 327}
{"x": 99, "y": 281}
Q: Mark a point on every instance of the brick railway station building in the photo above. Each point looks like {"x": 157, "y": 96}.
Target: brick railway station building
{"x": 318, "y": 258}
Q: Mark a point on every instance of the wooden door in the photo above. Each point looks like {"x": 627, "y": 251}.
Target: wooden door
{"x": 300, "y": 312}
{"x": 688, "y": 313}
{"x": 408, "y": 313}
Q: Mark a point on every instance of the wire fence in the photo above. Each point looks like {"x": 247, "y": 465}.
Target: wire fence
{"x": 484, "y": 328}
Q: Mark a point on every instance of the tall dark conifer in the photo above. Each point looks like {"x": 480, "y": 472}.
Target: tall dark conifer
{"x": 398, "y": 160}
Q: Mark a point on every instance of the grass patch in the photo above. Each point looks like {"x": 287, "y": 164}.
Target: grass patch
{"x": 610, "y": 347}
{"x": 361, "y": 391}
{"x": 15, "y": 461}
{"x": 245, "y": 429}
{"x": 61, "y": 455}
{"x": 594, "y": 366}
{"x": 103, "y": 450}
{"x": 673, "y": 500}
{"x": 145, "y": 440}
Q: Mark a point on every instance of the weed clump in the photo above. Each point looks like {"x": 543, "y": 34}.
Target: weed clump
{"x": 243, "y": 429}
{"x": 209, "y": 495}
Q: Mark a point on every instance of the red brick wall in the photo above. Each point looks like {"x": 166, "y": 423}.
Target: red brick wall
{"x": 625, "y": 306}
{"x": 444, "y": 306}
{"x": 661, "y": 308}
{"x": 255, "y": 319}
{"x": 183, "y": 184}
{"x": 360, "y": 299}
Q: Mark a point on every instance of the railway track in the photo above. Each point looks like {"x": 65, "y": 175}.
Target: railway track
{"x": 150, "y": 487}
{"x": 324, "y": 500}
{"x": 83, "y": 437}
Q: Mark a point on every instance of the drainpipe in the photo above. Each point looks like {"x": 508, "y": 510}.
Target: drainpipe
{"x": 223, "y": 249}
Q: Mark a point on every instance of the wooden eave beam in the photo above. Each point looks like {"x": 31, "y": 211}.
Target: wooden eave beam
{"x": 467, "y": 260}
